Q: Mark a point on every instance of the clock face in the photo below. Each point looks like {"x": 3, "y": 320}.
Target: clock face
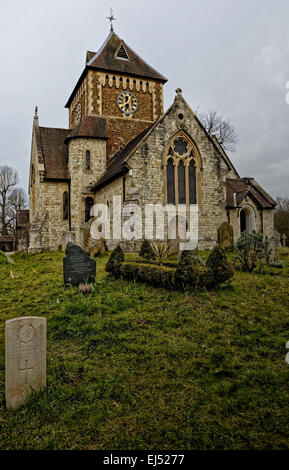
{"x": 127, "y": 102}
{"x": 78, "y": 114}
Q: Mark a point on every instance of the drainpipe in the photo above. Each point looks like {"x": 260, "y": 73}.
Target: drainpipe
{"x": 123, "y": 185}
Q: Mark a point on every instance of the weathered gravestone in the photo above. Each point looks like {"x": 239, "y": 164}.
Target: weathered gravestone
{"x": 25, "y": 358}
{"x": 225, "y": 235}
{"x": 78, "y": 267}
{"x": 271, "y": 251}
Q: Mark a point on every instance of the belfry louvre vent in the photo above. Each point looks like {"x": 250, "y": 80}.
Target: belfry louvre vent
{"x": 122, "y": 53}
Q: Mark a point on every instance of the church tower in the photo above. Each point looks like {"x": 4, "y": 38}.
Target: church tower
{"x": 121, "y": 87}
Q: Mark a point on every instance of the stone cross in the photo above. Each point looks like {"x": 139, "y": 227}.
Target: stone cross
{"x": 25, "y": 358}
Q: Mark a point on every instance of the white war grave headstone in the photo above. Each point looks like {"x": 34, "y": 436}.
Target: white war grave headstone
{"x": 25, "y": 358}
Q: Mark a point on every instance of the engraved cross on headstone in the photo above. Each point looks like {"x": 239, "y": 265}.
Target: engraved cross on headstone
{"x": 26, "y": 369}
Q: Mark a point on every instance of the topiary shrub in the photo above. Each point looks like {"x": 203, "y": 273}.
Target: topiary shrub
{"x": 251, "y": 249}
{"x": 187, "y": 273}
{"x": 146, "y": 251}
{"x": 157, "y": 276}
{"x": 219, "y": 269}
{"x": 114, "y": 263}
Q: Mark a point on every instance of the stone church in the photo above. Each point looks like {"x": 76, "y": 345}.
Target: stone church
{"x": 120, "y": 142}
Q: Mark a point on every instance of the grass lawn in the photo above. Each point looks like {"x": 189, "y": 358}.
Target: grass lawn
{"x": 133, "y": 367}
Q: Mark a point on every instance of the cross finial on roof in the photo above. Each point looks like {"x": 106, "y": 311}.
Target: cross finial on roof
{"x": 111, "y": 18}
{"x": 36, "y": 111}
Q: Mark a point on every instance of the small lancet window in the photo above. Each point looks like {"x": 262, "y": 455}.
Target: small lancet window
{"x": 88, "y": 206}
{"x": 65, "y": 205}
{"x": 87, "y": 160}
{"x": 171, "y": 182}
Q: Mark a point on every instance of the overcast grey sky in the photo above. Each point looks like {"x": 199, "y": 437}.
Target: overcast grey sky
{"x": 231, "y": 55}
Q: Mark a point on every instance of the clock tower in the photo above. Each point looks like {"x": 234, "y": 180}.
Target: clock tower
{"x": 118, "y": 85}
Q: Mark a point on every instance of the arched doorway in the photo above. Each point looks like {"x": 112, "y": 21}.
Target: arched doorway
{"x": 247, "y": 220}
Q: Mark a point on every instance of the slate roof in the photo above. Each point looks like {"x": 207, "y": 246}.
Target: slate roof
{"x": 116, "y": 166}
{"x": 91, "y": 127}
{"x": 54, "y": 152}
{"x": 248, "y": 186}
{"x": 53, "y": 149}
{"x": 106, "y": 60}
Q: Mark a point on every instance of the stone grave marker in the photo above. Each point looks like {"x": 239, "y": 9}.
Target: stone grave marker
{"x": 78, "y": 267}
{"x": 283, "y": 240}
{"x": 271, "y": 251}
{"x": 225, "y": 235}
{"x": 25, "y": 358}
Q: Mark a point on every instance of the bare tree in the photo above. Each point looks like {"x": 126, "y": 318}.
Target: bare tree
{"x": 11, "y": 199}
{"x": 216, "y": 125}
{"x": 17, "y": 201}
{"x": 282, "y": 217}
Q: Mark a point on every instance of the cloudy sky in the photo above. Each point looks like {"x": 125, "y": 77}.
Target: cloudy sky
{"x": 229, "y": 55}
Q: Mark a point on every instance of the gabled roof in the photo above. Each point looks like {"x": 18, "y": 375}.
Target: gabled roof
{"x": 121, "y": 157}
{"x": 116, "y": 167}
{"x": 106, "y": 59}
{"x": 243, "y": 187}
{"x": 90, "y": 126}
{"x": 54, "y": 152}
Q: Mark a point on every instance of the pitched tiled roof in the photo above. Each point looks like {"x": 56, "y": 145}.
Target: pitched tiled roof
{"x": 90, "y": 126}
{"x": 248, "y": 186}
{"x": 22, "y": 218}
{"x": 106, "y": 59}
{"x": 116, "y": 166}
{"x": 54, "y": 152}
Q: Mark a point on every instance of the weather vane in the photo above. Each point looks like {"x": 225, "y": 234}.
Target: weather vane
{"x": 111, "y": 18}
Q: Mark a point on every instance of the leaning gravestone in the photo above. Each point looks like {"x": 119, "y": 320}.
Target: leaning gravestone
{"x": 25, "y": 358}
{"x": 78, "y": 267}
{"x": 225, "y": 235}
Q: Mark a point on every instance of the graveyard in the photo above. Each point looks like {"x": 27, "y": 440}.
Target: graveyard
{"x": 131, "y": 366}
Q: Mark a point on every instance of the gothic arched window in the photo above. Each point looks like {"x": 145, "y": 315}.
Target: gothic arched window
{"x": 65, "y": 205}
{"x": 87, "y": 160}
{"x": 170, "y": 182}
{"x": 181, "y": 171}
{"x": 88, "y": 206}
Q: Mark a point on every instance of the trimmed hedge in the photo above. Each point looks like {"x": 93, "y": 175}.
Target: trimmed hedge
{"x": 146, "y": 251}
{"x": 219, "y": 265}
{"x": 188, "y": 274}
{"x": 115, "y": 260}
{"x": 157, "y": 276}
